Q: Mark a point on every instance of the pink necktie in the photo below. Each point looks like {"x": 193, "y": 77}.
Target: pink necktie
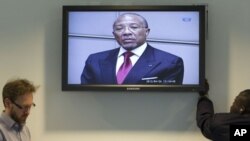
{"x": 125, "y": 67}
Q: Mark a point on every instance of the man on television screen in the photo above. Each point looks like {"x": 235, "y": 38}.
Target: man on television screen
{"x": 135, "y": 62}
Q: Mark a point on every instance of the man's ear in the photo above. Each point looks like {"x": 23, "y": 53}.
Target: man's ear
{"x": 242, "y": 109}
{"x": 147, "y": 32}
{"x": 114, "y": 35}
{"x": 6, "y": 102}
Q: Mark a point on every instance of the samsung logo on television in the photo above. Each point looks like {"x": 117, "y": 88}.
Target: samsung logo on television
{"x": 133, "y": 89}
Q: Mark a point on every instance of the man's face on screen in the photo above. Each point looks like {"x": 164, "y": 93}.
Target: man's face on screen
{"x": 130, "y": 31}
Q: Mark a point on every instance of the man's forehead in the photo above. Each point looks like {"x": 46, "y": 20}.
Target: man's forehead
{"x": 25, "y": 96}
{"x": 128, "y": 18}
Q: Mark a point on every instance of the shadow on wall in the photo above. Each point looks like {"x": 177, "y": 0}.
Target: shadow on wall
{"x": 120, "y": 111}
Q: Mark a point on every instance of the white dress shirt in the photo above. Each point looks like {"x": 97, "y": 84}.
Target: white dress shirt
{"x": 134, "y": 58}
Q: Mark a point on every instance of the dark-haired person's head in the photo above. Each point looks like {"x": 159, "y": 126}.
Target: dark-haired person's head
{"x": 241, "y": 103}
{"x": 130, "y": 30}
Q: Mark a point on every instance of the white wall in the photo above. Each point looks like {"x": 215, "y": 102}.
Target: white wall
{"x": 30, "y": 47}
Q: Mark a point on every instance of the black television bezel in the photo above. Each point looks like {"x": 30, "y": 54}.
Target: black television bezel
{"x": 103, "y": 87}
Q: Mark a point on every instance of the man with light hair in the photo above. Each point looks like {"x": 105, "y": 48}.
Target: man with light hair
{"x": 17, "y": 98}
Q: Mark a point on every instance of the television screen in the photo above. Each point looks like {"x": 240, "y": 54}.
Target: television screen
{"x": 133, "y": 48}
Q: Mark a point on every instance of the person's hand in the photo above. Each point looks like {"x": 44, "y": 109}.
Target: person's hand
{"x": 206, "y": 89}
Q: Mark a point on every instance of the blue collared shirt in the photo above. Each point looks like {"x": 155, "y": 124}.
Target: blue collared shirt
{"x": 12, "y": 131}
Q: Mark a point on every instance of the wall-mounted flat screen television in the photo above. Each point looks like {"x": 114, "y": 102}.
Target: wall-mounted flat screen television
{"x": 133, "y": 48}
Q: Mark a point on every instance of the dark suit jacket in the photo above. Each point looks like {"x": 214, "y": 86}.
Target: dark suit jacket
{"x": 217, "y": 126}
{"x": 100, "y": 68}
